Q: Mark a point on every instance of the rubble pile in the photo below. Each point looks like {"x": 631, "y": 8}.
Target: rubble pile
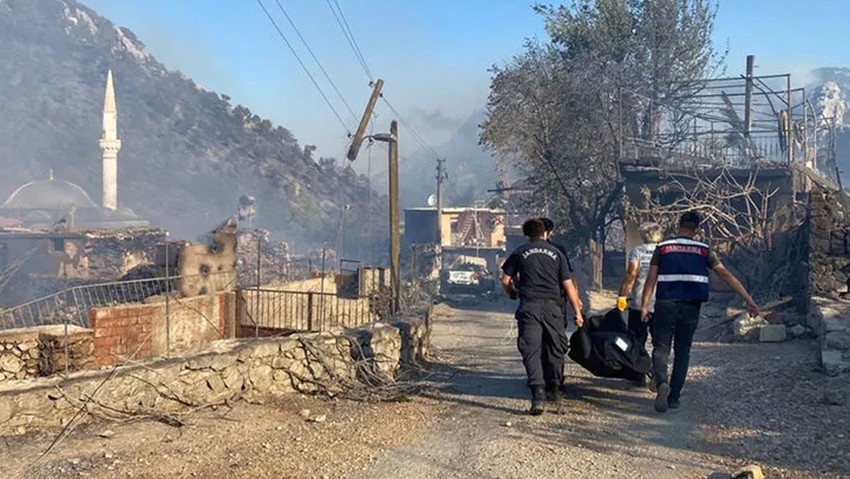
{"x": 275, "y": 263}
{"x": 111, "y": 254}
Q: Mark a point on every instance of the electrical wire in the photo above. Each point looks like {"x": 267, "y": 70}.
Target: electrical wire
{"x": 350, "y": 37}
{"x": 418, "y": 139}
{"x": 303, "y": 66}
{"x": 322, "y": 68}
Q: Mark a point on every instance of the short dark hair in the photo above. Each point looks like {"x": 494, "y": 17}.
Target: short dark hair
{"x": 548, "y": 224}
{"x": 534, "y": 228}
{"x": 690, "y": 220}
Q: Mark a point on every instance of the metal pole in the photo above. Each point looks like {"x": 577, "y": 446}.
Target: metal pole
{"x": 748, "y": 97}
{"x": 395, "y": 234}
{"x": 257, "y": 293}
{"x": 322, "y": 302}
{"x": 167, "y": 294}
{"x": 789, "y": 139}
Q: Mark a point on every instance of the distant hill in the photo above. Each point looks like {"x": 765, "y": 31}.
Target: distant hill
{"x": 187, "y": 154}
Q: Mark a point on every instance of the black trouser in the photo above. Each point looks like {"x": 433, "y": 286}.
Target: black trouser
{"x": 637, "y": 328}
{"x": 542, "y": 342}
{"x": 674, "y": 322}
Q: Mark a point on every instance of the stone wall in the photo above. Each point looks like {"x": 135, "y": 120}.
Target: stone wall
{"x": 832, "y": 316}
{"x": 40, "y": 351}
{"x": 230, "y": 370}
{"x": 18, "y": 354}
{"x": 829, "y": 245}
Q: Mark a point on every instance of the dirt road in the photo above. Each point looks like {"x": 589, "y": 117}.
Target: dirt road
{"x": 735, "y": 412}
{"x": 744, "y": 403}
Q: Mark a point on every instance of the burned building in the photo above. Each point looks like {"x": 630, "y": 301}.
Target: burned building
{"x": 38, "y": 263}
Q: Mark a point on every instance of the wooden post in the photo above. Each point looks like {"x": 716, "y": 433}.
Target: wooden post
{"x": 357, "y": 139}
{"x": 441, "y": 175}
{"x": 395, "y": 233}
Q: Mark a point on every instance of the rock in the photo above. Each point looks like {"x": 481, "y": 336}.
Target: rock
{"x": 743, "y": 324}
{"x": 320, "y": 418}
{"x": 304, "y": 413}
{"x": 10, "y": 363}
{"x": 833, "y": 362}
{"x": 508, "y": 424}
{"x": 749, "y": 472}
{"x": 20, "y": 430}
{"x": 798, "y": 330}
{"x": 107, "y": 434}
{"x": 772, "y": 333}
{"x": 108, "y": 455}
{"x": 839, "y": 340}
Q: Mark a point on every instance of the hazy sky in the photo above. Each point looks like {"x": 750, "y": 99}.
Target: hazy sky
{"x": 432, "y": 54}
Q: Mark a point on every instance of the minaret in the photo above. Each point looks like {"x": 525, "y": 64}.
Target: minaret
{"x": 110, "y": 144}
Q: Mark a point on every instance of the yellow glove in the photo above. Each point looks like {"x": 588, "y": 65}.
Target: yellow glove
{"x": 622, "y": 302}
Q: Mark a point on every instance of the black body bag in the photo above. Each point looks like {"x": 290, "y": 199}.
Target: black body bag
{"x": 604, "y": 347}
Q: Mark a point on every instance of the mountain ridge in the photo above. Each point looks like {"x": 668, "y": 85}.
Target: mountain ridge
{"x": 187, "y": 152}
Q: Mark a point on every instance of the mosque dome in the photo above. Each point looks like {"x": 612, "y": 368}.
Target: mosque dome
{"x": 50, "y": 194}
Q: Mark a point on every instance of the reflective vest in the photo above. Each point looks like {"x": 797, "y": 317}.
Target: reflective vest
{"x": 683, "y": 270}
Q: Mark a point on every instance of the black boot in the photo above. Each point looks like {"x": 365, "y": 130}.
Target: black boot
{"x": 538, "y": 395}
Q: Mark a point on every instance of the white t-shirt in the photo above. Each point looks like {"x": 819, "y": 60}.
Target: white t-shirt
{"x": 642, "y": 255}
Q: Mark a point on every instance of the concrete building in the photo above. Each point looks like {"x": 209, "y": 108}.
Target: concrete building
{"x": 461, "y": 226}
{"x": 46, "y": 204}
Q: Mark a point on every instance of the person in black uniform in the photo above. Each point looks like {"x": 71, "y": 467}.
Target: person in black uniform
{"x": 550, "y": 233}
{"x": 537, "y": 274}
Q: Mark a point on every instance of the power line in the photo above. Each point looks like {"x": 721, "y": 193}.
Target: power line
{"x": 303, "y": 66}
{"x": 353, "y": 39}
{"x": 350, "y": 37}
{"x": 418, "y": 139}
{"x": 310, "y": 50}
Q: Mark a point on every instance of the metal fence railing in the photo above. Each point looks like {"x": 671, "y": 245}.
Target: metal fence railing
{"x": 72, "y": 305}
{"x": 285, "y": 311}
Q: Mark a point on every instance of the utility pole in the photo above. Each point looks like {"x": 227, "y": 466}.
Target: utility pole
{"x": 395, "y": 233}
{"x": 441, "y": 175}
{"x": 357, "y": 139}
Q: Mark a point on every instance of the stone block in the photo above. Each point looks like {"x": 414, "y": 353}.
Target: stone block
{"x": 798, "y": 330}
{"x": 261, "y": 378}
{"x": 265, "y": 349}
{"x": 839, "y": 340}
{"x": 772, "y": 333}
{"x": 833, "y": 323}
{"x": 743, "y": 324}
{"x": 833, "y": 362}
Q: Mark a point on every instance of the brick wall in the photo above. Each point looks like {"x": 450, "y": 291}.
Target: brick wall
{"x": 191, "y": 324}
{"x": 119, "y": 332}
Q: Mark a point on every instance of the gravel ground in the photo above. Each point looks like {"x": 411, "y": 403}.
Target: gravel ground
{"x": 277, "y": 439}
{"x": 744, "y": 403}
